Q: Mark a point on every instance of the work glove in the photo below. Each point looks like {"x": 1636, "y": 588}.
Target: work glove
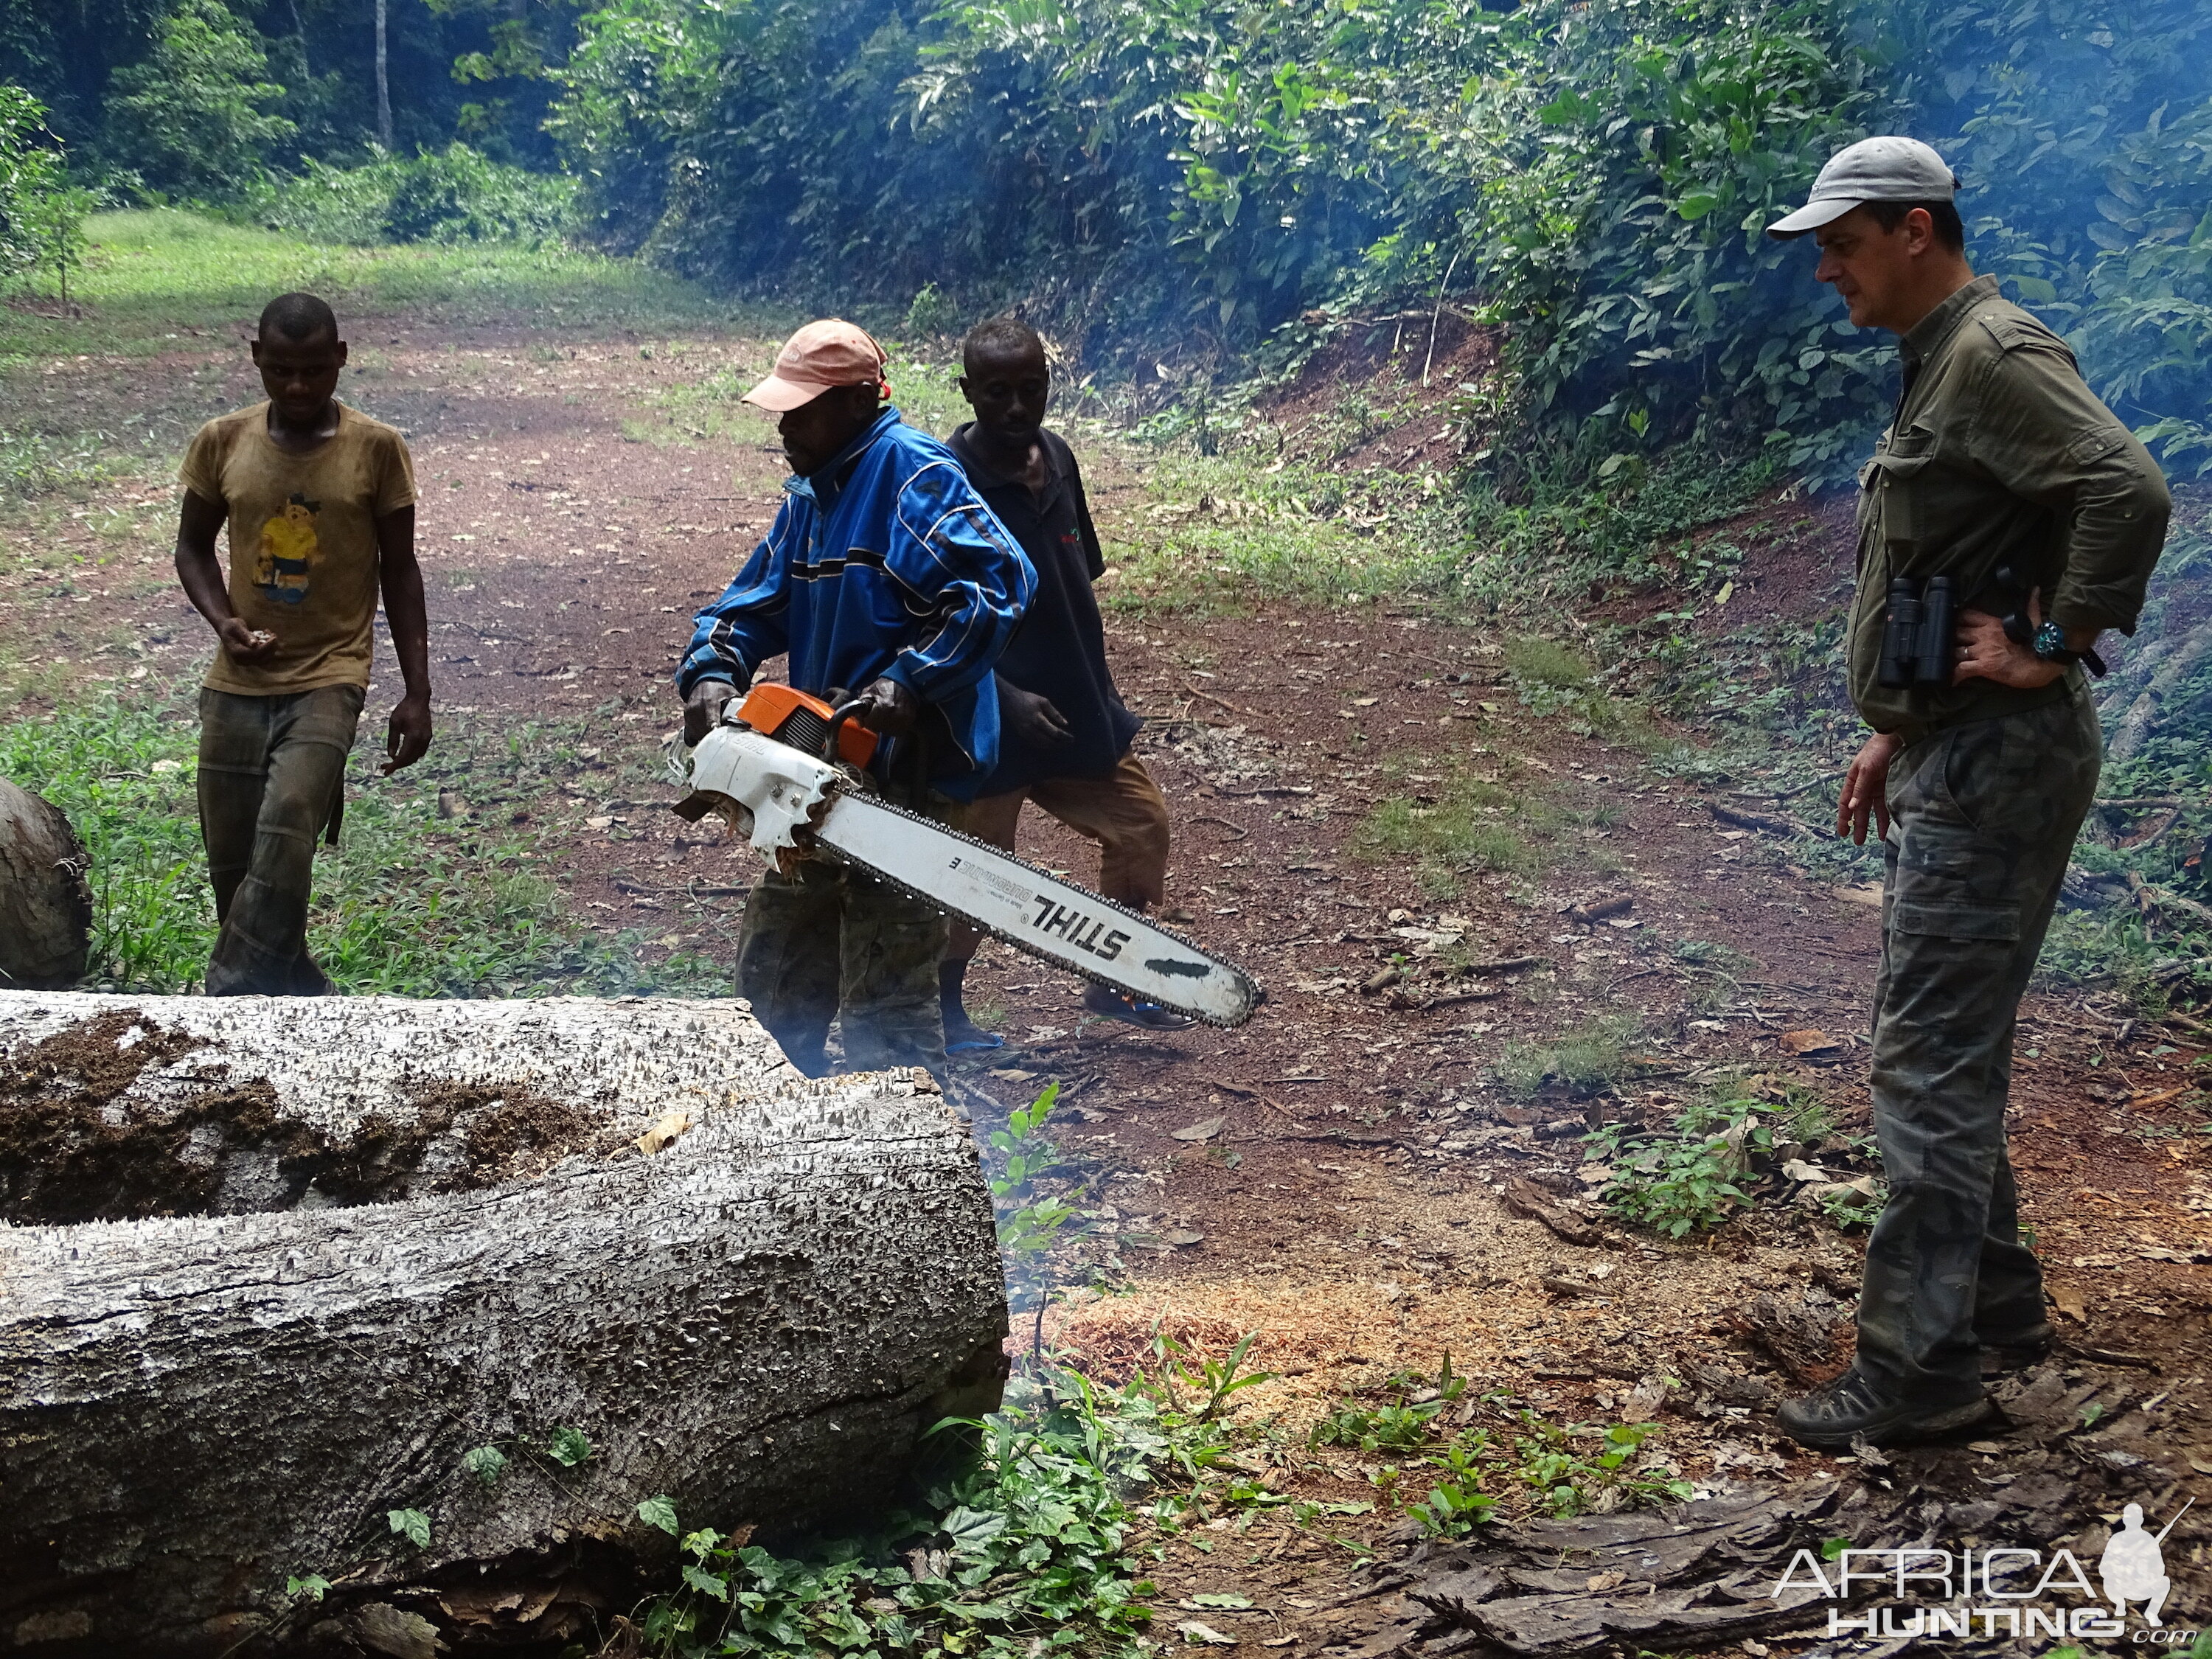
{"x": 702, "y": 709}
{"x": 889, "y": 708}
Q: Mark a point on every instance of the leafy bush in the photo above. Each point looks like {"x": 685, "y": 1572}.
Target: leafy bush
{"x": 191, "y": 115}
{"x": 41, "y": 213}
{"x": 455, "y": 195}
{"x": 1599, "y": 177}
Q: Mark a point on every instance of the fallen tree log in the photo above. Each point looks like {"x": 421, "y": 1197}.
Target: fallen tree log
{"x": 46, "y": 909}
{"x": 297, "y": 1262}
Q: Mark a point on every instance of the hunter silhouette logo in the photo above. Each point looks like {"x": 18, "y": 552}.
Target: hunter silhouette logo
{"x": 1930, "y": 1592}
{"x": 2134, "y": 1565}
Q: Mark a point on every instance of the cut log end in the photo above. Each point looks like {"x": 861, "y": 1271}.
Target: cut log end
{"x": 277, "y": 1267}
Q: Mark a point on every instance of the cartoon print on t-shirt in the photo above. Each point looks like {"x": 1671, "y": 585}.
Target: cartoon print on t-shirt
{"x": 289, "y": 551}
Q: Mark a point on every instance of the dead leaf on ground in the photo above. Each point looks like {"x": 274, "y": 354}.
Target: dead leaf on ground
{"x": 663, "y": 1131}
{"x": 2068, "y": 1299}
{"x": 1202, "y": 1131}
{"x": 1809, "y": 1042}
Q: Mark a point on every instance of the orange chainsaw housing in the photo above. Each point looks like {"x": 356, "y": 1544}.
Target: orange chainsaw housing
{"x": 794, "y": 717}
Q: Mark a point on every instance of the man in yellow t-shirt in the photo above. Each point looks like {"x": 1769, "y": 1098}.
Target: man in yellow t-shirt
{"x": 320, "y": 502}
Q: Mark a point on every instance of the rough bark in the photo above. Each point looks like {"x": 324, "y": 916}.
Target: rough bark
{"x": 756, "y": 1321}
{"x": 46, "y": 909}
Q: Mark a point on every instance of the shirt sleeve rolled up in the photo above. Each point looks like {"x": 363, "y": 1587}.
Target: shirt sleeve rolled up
{"x": 2043, "y": 434}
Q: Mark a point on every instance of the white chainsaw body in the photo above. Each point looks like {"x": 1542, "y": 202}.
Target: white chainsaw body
{"x": 793, "y": 806}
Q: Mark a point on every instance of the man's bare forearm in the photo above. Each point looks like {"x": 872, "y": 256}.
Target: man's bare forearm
{"x": 198, "y": 569}
{"x": 405, "y": 609}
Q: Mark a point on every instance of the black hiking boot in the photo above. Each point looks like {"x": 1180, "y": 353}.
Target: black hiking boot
{"x": 1852, "y": 1407}
{"x": 2018, "y": 1351}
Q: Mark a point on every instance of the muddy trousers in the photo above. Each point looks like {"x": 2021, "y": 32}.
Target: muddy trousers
{"x": 1982, "y": 817}
{"x": 269, "y": 772}
{"x": 830, "y": 943}
{"x": 1123, "y": 812}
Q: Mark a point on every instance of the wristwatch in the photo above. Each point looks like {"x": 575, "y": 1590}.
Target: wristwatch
{"x": 2049, "y": 645}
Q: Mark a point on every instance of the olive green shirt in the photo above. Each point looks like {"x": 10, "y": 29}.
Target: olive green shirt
{"x": 1999, "y": 455}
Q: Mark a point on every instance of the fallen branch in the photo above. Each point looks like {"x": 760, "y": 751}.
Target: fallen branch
{"x": 1525, "y": 1197}
{"x": 1243, "y": 833}
{"x": 1764, "y": 821}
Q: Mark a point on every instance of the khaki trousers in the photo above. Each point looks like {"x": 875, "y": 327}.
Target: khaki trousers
{"x": 270, "y": 773}
{"x": 1124, "y": 812}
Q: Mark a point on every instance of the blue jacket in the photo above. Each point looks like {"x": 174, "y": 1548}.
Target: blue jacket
{"x": 884, "y": 564}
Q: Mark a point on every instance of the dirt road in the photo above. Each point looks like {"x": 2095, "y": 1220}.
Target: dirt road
{"x": 1340, "y": 1174}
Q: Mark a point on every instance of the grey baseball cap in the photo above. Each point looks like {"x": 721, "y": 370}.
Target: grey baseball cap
{"x": 1872, "y": 170}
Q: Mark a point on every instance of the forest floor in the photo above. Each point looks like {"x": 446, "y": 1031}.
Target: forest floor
{"x": 1360, "y": 793}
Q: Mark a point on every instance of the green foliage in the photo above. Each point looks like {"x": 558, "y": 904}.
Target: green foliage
{"x": 1569, "y": 1481}
{"x": 41, "y": 213}
{"x": 1694, "y": 1174}
{"x": 311, "y": 1585}
{"x": 193, "y": 116}
{"x": 569, "y": 1447}
{"x": 1599, "y": 177}
{"x": 1400, "y": 1424}
{"x": 487, "y": 1463}
{"x": 454, "y": 195}
{"x": 1030, "y": 1222}
{"x": 412, "y": 1525}
{"x": 658, "y": 1512}
{"x": 1023, "y": 1549}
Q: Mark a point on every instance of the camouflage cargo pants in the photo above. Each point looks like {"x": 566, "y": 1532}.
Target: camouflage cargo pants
{"x": 1982, "y": 819}
{"x": 831, "y": 943}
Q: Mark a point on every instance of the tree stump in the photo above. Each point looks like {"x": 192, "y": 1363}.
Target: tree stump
{"x": 46, "y": 909}
{"x": 288, "y": 1264}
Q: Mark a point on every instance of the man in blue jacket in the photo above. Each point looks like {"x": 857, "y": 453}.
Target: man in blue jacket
{"x": 884, "y": 573}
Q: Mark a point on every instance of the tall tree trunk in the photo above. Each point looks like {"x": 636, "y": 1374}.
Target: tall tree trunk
{"x": 299, "y": 28}
{"x": 383, "y": 79}
{"x": 379, "y": 1235}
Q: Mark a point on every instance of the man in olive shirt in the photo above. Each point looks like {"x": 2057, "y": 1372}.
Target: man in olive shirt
{"x": 320, "y": 501}
{"x": 1998, "y": 459}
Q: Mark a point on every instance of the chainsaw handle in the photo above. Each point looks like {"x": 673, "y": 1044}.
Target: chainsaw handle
{"x": 838, "y": 716}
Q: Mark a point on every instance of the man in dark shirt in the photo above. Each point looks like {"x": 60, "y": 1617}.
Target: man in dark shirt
{"x": 1066, "y": 735}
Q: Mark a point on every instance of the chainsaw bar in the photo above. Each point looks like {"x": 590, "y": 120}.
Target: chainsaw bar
{"x": 1037, "y": 913}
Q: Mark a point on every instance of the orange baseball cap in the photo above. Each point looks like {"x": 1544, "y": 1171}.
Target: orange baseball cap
{"x": 820, "y": 356}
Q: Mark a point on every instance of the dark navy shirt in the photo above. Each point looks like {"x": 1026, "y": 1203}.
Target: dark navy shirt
{"x": 1059, "y": 651}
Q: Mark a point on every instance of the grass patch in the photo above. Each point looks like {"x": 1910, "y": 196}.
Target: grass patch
{"x": 411, "y": 904}
{"x": 1584, "y": 1061}
{"x": 1552, "y": 679}
{"x": 1446, "y": 829}
{"x": 154, "y": 279}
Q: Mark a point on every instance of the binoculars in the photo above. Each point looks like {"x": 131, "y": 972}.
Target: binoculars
{"x": 1916, "y": 637}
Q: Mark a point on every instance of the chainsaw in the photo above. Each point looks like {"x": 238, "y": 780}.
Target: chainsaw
{"x": 787, "y": 771}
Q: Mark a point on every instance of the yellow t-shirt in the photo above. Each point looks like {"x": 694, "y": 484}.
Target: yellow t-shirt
{"x": 303, "y": 561}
